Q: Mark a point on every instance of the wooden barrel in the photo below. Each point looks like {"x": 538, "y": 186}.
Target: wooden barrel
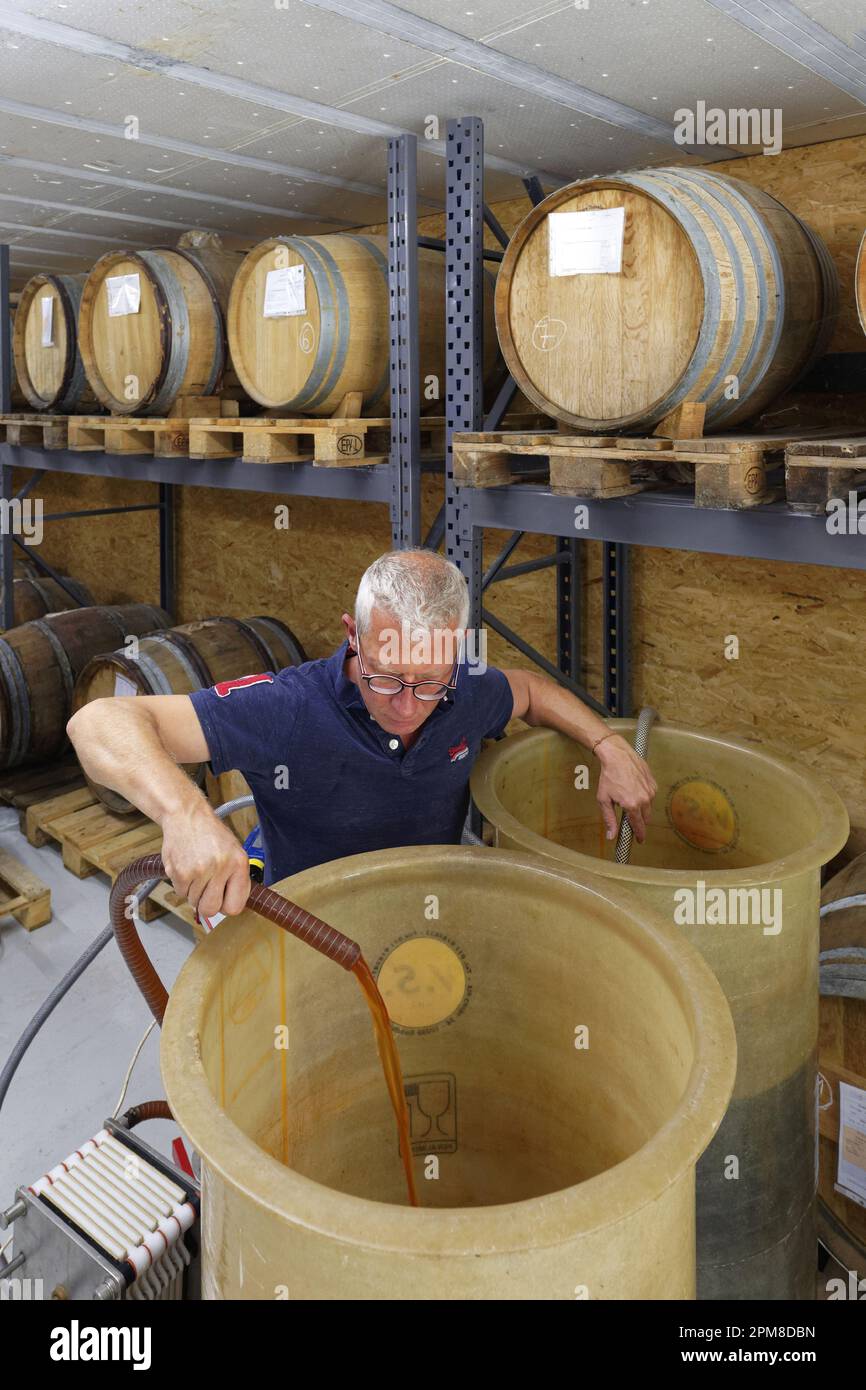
{"x": 184, "y": 659}
{"x": 336, "y": 337}
{"x": 842, "y": 1047}
{"x": 39, "y": 665}
{"x": 723, "y": 296}
{"x": 152, "y": 326}
{"x": 860, "y": 283}
{"x": 36, "y": 595}
{"x": 45, "y": 345}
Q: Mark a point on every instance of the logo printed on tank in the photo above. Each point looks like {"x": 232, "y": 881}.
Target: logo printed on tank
{"x": 459, "y": 751}
{"x": 224, "y": 688}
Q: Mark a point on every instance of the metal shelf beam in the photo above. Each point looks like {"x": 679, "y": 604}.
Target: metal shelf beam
{"x": 668, "y": 520}
{"x": 371, "y": 484}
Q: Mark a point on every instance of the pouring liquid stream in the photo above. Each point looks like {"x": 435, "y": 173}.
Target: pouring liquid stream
{"x": 390, "y": 1059}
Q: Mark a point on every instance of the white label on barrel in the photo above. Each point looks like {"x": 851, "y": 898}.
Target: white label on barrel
{"x": 285, "y": 292}
{"x": 851, "y": 1174}
{"x": 586, "y": 243}
{"x": 122, "y": 686}
{"x": 48, "y": 321}
{"x": 124, "y": 294}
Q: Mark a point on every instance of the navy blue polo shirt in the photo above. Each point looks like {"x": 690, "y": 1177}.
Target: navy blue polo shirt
{"x": 327, "y": 780}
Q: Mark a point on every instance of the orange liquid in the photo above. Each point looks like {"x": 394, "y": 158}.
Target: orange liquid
{"x": 390, "y": 1059}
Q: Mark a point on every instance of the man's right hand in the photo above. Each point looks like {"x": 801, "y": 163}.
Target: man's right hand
{"x": 205, "y": 862}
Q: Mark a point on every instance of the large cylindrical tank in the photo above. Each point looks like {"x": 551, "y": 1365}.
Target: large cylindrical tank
{"x": 39, "y": 664}
{"x": 300, "y": 344}
{"x": 183, "y": 659}
{"x": 737, "y": 833}
{"x": 723, "y": 296}
{"x": 152, "y": 325}
{"x": 45, "y": 344}
{"x": 566, "y": 1056}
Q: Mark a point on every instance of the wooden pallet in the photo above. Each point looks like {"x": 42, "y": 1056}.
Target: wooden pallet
{"x": 24, "y": 787}
{"x": 331, "y": 443}
{"x": 726, "y": 471}
{"x": 22, "y": 894}
{"x": 93, "y": 839}
{"x": 45, "y": 431}
{"x": 161, "y": 436}
{"x": 818, "y": 471}
{"x": 335, "y": 442}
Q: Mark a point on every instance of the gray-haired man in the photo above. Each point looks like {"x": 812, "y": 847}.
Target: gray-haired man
{"x": 369, "y": 748}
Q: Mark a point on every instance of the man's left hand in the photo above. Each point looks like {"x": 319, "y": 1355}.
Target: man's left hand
{"x": 625, "y": 781}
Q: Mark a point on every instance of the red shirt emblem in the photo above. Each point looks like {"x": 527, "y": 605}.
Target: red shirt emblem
{"x": 460, "y": 750}
{"x": 224, "y": 688}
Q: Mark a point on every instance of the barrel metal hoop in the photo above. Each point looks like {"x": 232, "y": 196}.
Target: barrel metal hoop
{"x": 62, "y": 659}
{"x": 153, "y": 674}
{"x": 380, "y": 390}
{"x": 335, "y": 318}
{"x": 326, "y": 321}
{"x": 35, "y": 584}
{"x": 115, "y": 615}
{"x": 255, "y": 641}
{"x": 830, "y": 305}
{"x": 186, "y": 656}
{"x": 74, "y": 381}
{"x": 717, "y": 410}
{"x": 712, "y": 298}
{"x": 286, "y": 636}
{"x": 728, "y": 191}
{"x": 175, "y": 323}
{"x": 19, "y": 706}
{"x": 214, "y": 379}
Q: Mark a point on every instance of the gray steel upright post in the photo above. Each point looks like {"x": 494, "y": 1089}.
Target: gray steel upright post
{"x": 616, "y": 619}
{"x": 7, "y": 544}
{"x": 404, "y": 350}
{"x": 464, "y": 346}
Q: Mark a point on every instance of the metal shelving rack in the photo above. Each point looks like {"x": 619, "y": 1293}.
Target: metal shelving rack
{"x": 396, "y": 483}
{"x": 669, "y": 520}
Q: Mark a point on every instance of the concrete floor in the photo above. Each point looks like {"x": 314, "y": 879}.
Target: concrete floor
{"x": 70, "y": 1079}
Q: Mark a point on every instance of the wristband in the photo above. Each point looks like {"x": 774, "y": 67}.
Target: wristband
{"x": 612, "y": 734}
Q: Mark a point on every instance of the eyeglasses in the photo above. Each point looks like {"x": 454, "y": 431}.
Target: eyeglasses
{"x": 392, "y": 685}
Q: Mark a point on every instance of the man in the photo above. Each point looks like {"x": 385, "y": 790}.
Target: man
{"x": 370, "y": 748}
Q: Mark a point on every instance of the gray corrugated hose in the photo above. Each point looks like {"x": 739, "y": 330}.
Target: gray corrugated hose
{"x": 645, "y": 721}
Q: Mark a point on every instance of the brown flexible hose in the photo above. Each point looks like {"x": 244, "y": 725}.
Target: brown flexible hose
{"x": 280, "y": 911}
{"x": 145, "y": 1110}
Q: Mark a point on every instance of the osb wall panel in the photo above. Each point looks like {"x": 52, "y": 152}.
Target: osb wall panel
{"x": 797, "y": 686}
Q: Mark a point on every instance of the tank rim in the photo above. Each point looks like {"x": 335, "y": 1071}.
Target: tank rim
{"x": 828, "y": 803}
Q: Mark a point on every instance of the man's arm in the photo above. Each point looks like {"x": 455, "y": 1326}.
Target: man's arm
{"x": 625, "y": 778}
{"x": 134, "y": 746}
